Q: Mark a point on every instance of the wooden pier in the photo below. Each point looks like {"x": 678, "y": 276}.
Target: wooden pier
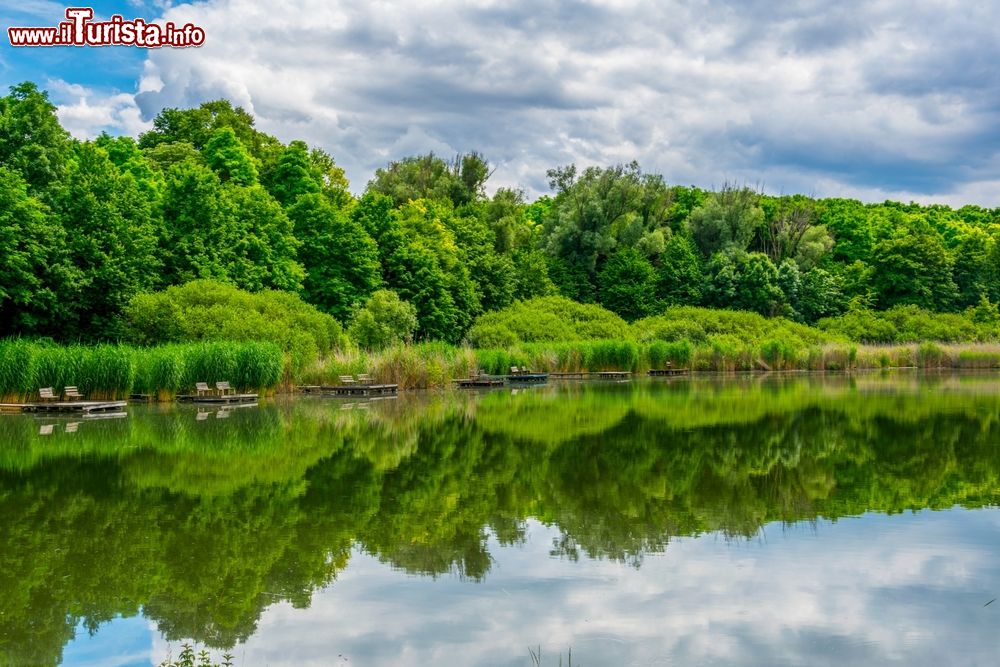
{"x": 663, "y": 372}
{"x": 73, "y": 407}
{"x": 528, "y": 378}
{"x": 350, "y": 389}
{"x": 613, "y": 375}
{"x": 481, "y": 381}
{"x": 218, "y": 399}
{"x": 592, "y": 375}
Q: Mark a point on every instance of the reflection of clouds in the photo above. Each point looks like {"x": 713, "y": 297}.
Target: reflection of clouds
{"x": 874, "y": 590}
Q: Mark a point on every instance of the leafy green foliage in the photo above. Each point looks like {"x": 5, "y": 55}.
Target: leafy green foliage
{"x": 383, "y": 321}
{"x": 726, "y": 221}
{"x": 911, "y": 324}
{"x": 546, "y": 319}
{"x": 229, "y": 158}
{"x": 36, "y": 276}
{"x": 628, "y": 285}
{"x": 340, "y": 258}
{"x": 211, "y": 311}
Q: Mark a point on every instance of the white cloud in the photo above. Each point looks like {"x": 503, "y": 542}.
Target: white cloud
{"x": 857, "y": 99}
{"x": 866, "y": 591}
{"x": 85, "y": 113}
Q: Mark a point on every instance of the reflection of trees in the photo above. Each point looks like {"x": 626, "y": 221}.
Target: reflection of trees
{"x": 202, "y": 527}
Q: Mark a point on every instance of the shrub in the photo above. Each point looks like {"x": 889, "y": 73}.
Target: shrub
{"x": 550, "y": 318}
{"x": 205, "y": 310}
{"x": 384, "y": 320}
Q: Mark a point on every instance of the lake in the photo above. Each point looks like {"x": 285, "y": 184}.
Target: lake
{"x": 745, "y": 520}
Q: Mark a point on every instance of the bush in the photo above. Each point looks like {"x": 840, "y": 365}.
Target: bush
{"x": 206, "y": 310}
{"x": 546, "y": 319}
{"x": 383, "y": 321}
{"x": 910, "y": 324}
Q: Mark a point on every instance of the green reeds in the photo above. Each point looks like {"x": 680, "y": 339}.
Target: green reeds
{"x": 109, "y": 372}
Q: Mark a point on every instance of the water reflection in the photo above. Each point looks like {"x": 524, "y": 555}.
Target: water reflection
{"x": 682, "y": 521}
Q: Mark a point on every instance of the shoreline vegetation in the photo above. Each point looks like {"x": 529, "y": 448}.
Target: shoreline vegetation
{"x": 698, "y": 339}
{"x": 207, "y": 250}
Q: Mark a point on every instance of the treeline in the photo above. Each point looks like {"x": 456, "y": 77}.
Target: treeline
{"x": 88, "y": 226}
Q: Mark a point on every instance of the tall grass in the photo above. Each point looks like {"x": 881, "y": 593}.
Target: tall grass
{"x": 110, "y": 372}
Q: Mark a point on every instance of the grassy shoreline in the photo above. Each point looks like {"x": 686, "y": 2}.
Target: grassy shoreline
{"x": 108, "y": 372}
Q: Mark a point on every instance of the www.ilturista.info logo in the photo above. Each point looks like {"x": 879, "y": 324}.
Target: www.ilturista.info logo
{"x": 81, "y": 30}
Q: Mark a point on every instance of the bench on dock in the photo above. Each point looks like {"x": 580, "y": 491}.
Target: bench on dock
{"x": 46, "y": 394}
{"x": 224, "y": 388}
{"x": 201, "y": 388}
{"x": 364, "y": 378}
{"x": 347, "y": 379}
{"x": 72, "y": 393}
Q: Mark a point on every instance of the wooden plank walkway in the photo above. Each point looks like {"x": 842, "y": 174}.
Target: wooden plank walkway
{"x": 481, "y": 381}
{"x": 218, "y": 399}
{"x": 528, "y": 378}
{"x": 350, "y": 389}
{"x": 592, "y": 375}
{"x": 81, "y": 407}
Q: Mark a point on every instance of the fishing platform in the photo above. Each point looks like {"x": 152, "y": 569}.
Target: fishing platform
{"x": 71, "y": 407}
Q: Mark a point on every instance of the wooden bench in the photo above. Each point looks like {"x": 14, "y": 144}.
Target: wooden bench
{"x": 223, "y": 388}
{"x": 364, "y": 378}
{"x": 46, "y": 394}
{"x": 346, "y": 379}
{"x": 201, "y": 388}
{"x": 72, "y": 393}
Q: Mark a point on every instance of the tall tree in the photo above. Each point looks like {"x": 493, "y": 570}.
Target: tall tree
{"x": 727, "y": 221}
{"x": 229, "y": 158}
{"x": 38, "y": 283}
{"x": 340, "y": 258}
{"x": 110, "y": 237}
{"x": 628, "y": 285}
{"x": 32, "y": 141}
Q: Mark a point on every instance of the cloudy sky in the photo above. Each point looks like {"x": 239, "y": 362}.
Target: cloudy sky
{"x": 894, "y": 98}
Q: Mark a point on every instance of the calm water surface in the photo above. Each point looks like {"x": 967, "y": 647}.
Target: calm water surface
{"x": 743, "y": 521}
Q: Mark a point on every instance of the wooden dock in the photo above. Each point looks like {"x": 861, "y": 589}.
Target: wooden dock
{"x": 592, "y": 375}
{"x": 218, "y": 399}
{"x": 73, "y": 407}
{"x": 613, "y": 375}
{"x": 350, "y": 389}
{"x": 481, "y": 381}
{"x": 528, "y": 378}
{"x": 663, "y": 372}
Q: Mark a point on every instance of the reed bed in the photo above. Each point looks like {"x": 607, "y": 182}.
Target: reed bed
{"x": 111, "y": 372}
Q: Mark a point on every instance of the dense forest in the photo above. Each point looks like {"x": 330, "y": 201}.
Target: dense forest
{"x": 90, "y": 231}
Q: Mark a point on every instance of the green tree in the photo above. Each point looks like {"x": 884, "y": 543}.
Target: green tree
{"x": 595, "y": 213}
{"x": 261, "y": 251}
{"x": 110, "y": 237}
{"x": 294, "y": 175}
{"x": 340, "y": 258}
{"x": 679, "y": 277}
{"x": 383, "y": 321}
{"x": 744, "y": 281}
{"x": 975, "y": 271}
{"x": 32, "y": 141}
{"x": 38, "y": 284}
{"x": 197, "y": 225}
{"x": 726, "y": 221}
{"x": 913, "y": 267}
{"x": 628, "y": 285}
{"x": 430, "y": 177}
{"x": 229, "y": 158}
